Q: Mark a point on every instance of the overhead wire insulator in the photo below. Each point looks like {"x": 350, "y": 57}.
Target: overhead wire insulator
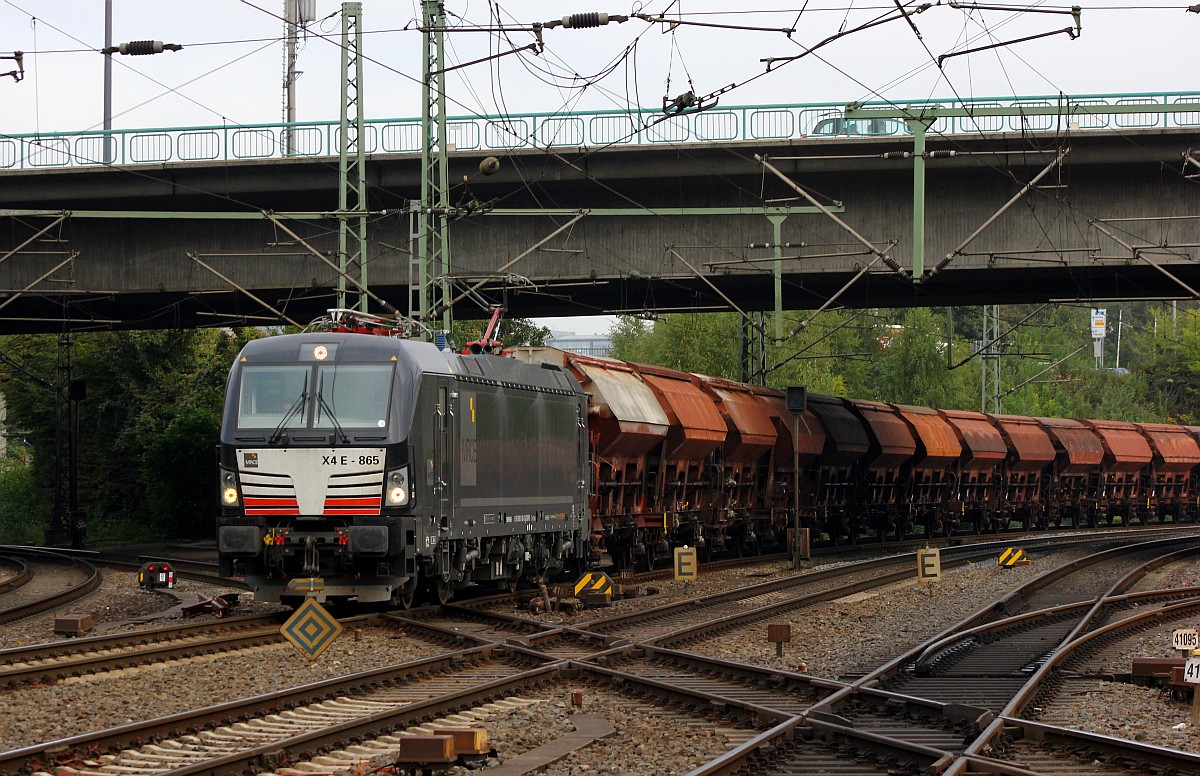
{"x": 137, "y": 48}
{"x": 580, "y": 20}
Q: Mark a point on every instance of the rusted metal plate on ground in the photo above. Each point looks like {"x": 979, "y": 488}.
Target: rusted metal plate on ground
{"x": 73, "y": 624}
{"x": 466, "y": 740}
{"x": 426, "y": 749}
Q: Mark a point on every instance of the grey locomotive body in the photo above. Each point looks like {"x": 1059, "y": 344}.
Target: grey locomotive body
{"x": 364, "y": 467}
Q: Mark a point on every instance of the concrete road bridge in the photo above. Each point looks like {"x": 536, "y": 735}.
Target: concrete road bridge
{"x": 752, "y": 208}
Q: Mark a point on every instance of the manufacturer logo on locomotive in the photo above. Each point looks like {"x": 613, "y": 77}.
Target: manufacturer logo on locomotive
{"x": 250, "y": 460}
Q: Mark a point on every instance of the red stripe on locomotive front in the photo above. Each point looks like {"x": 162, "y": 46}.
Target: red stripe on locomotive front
{"x": 339, "y": 503}
{"x": 258, "y": 501}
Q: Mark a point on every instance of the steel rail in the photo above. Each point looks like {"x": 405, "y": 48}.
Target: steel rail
{"x": 19, "y": 578}
{"x": 820, "y": 716}
{"x": 91, "y": 581}
{"x": 77, "y": 658}
{"x": 906, "y": 570}
{"x": 137, "y": 733}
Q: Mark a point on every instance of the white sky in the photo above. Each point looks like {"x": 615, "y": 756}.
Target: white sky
{"x": 1125, "y": 46}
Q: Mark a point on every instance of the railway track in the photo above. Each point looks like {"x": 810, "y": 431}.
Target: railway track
{"x": 94, "y": 654}
{"x": 43, "y": 589}
{"x": 979, "y": 672}
{"x": 774, "y": 720}
{"x": 333, "y": 700}
{"x": 14, "y": 572}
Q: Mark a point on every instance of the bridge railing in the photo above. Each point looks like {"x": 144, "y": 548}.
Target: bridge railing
{"x": 559, "y": 130}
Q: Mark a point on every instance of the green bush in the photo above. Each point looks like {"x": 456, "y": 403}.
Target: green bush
{"x": 20, "y": 520}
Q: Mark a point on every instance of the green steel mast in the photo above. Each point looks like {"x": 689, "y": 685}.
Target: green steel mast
{"x": 432, "y": 229}
{"x": 352, "y": 192}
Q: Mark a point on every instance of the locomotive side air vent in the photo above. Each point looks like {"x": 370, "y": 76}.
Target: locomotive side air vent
{"x": 551, "y": 367}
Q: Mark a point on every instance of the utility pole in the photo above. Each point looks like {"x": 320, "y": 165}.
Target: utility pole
{"x": 990, "y": 360}
{"x": 136, "y": 48}
{"x": 296, "y": 13}
{"x": 352, "y": 191}
{"x": 432, "y": 229}
{"x": 108, "y": 155}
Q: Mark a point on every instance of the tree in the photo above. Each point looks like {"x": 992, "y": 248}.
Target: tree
{"x": 912, "y": 367}
{"x": 18, "y": 492}
{"x": 147, "y": 428}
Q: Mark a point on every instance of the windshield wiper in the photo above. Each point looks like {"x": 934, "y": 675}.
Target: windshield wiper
{"x": 322, "y": 404}
{"x": 291, "y": 413}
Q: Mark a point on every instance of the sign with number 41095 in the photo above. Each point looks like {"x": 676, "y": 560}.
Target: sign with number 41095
{"x": 1185, "y": 639}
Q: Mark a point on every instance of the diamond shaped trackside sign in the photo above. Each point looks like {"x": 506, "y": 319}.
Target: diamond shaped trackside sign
{"x": 311, "y": 629}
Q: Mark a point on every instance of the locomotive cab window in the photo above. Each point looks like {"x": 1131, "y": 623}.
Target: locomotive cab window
{"x": 315, "y": 396}
{"x": 353, "y": 395}
{"x": 269, "y": 392}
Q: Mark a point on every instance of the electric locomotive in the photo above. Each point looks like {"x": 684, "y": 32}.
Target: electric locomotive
{"x": 369, "y": 468}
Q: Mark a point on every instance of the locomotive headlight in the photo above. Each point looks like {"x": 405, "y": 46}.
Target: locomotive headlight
{"x": 398, "y": 493}
{"x": 230, "y": 496}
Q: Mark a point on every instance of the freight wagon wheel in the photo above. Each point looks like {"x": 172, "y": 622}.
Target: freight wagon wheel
{"x": 407, "y": 593}
{"x": 513, "y": 582}
{"x": 440, "y": 590}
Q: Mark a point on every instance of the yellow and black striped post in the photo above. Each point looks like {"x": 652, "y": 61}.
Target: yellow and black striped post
{"x": 594, "y": 582}
{"x": 1013, "y": 556}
